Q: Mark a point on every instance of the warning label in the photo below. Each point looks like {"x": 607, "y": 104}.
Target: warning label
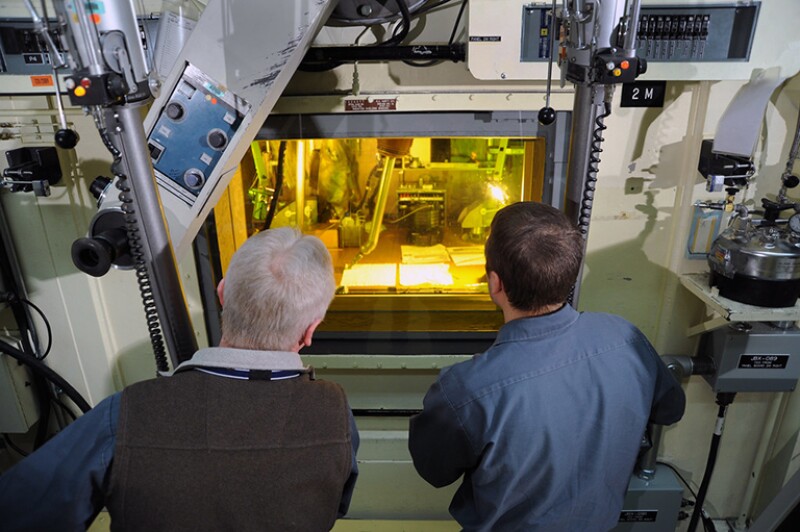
{"x": 41, "y": 81}
{"x": 370, "y": 104}
{"x": 484, "y": 38}
{"x": 763, "y": 361}
{"x": 638, "y": 516}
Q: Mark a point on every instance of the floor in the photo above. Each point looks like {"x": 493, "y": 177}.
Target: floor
{"x": 103, "y": 522}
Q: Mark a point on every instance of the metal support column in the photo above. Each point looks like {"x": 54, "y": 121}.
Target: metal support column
{"x": 125, "y": 124}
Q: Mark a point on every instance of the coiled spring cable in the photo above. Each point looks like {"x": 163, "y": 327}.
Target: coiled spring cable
{"x": 589, "y": 187}
{"x": 136, "y": 249}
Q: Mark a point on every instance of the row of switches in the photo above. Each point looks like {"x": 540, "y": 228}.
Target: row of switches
{"x": 667, "y": 36}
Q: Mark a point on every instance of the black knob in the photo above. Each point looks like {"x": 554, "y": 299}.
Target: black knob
{"x": 547, "y": 115}
{"x": 99, "y": 185}
{"x": 66, "y": 139}
{"x": 217, "y": 139}
{"x": 641, "y": 68}
{"x": 175, "y": 111}
{"x": 791, "y": 181}
{"x": 194, "y": 178}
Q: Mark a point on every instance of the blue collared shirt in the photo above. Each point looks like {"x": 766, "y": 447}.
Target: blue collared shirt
{"x": 545, "y": 426}
{"x": 61, "y": 486}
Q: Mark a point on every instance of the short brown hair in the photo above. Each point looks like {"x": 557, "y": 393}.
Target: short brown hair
{"x": 536, "y": 252}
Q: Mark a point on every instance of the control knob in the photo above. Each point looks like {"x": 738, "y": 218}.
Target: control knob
{"x": 175, "y": 111}
{"x": 217, "y": 139}
{"x": 194, "y": 178}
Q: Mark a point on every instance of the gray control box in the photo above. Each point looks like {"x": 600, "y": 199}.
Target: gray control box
{"x": 753, "y": 357}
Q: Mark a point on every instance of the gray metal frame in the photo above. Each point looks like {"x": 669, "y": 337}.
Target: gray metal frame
{"x": 438, "y": 124}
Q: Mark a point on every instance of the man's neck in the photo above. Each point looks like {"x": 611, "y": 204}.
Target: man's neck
{"x": 510, "y": 313}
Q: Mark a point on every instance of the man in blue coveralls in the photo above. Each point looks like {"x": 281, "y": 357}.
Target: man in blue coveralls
{"x": 546, "y": 425}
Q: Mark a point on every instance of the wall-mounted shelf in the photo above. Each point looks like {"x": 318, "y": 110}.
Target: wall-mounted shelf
{"x": 729, "y": 310}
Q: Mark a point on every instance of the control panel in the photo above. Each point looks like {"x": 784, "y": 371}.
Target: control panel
{"x": 25, "y": 62}
{"x": 191, "y": 133}
{"x": 711, "y": 33}
{"x": 686, "y": 40}
{"x": 666, "y": 33}
{"x": 22, "y": 50}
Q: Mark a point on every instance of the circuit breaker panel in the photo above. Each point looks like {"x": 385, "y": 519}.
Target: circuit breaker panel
{"x": 512, "y": 39}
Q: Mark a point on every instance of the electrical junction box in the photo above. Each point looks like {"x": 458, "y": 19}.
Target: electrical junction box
{"x": 753, "y": 357}
{"x": 17, "y": 403}
{"x": 651, "y": 505}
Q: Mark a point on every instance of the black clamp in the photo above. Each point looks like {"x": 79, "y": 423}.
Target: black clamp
{"x": 32, "y": 170}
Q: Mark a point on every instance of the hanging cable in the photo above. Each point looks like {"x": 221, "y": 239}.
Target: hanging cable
{"x": 708, "y": 524}
{"x": 11, "y": 445}
{"x": 402, "y": 29}
{"x": 46, "y": 325}
{"x": 723, "y": 400}
{"x": 45, "y": 371}
{"x": 273, "y": 202}
{"x": 591, "y": 174}
{"x": 137, "y": 252}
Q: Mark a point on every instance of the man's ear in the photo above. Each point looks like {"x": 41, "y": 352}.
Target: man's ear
{"x": 495, "y": 284}
{"x": 221, "y": 292}
{"x": 308, "y": 333}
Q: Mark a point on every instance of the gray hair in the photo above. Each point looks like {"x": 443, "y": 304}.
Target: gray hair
{"x": 278, "y": 283}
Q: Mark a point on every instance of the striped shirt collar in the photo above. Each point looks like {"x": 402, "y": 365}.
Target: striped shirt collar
{"x": 227, "y": 358}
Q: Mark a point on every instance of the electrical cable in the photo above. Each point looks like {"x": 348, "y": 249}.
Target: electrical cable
{"x": 46, "y": 325}
{"x": 427, "y": 8}
{"x": 137, "y": 252}
{"x": 708, "y": 524}
{"x": 399, "y": 34}
{"x": 273, "y": 202}
{"x": 45, "y": 371}
{"x": 585, "y": 212}
{"x": 593, "y": 167}
{"x": 458, "y": 19}
{"x": 723, "y": 400}
{"x": 13, "y": 446}
{"x": 415, "y": 211}
{"x": 405, "y": 25}
{"x": 64, "y": 407}
{"x": 424, "y": 64}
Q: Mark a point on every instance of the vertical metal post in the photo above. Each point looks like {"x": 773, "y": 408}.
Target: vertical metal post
{"x": 584, "y": 115}
{"x": 646, "y": 466}
{"x": 125, "y": 123}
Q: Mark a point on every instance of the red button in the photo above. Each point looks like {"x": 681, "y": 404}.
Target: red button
{"x": 625, "y": 65}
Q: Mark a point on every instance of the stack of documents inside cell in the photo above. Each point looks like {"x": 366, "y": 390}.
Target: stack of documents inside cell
{"x": 467, "y": 255}
{"x": 425, "y": 254}
{"x": 370, "y": 276}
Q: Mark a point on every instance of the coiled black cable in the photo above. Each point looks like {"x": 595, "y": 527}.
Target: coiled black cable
{"x": 273, "y": 202}
{"x": 46, "y": 372}
{"x": 137, "y": 253}
{"x": 585, "y": 213}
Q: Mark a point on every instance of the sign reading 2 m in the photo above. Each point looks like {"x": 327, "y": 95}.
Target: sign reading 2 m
{"x": 643, "y": 94}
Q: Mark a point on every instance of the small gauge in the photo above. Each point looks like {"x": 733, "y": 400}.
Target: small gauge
{"x": 794, "y": 223}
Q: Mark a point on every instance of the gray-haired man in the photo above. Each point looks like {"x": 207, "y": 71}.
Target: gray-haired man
{"x": 240, "y": 437}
